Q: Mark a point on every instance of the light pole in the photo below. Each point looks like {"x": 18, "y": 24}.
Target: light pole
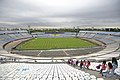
{"x": 29, "y": 29}
{"x": 77, "y": 30}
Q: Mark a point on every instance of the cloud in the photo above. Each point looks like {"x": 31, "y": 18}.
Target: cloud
{"x": 59, "y": 12}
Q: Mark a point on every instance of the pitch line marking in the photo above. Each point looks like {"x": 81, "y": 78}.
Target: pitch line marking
{"x": 39, "y": 53}
{"x": 66, "y": 53}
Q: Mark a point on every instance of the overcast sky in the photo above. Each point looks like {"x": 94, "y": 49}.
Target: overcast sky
{"x": 60, "y": 12}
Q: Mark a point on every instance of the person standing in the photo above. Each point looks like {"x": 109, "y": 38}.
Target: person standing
{"x": 77, "y": 63}
{"x": 84, "y": 64}
{"x": 88, "y": 64}
{"x": 81, "y": 64}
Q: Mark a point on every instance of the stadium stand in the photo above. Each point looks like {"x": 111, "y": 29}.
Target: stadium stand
{"x": 111, "y": 42}
{"x": 60, "y": 71}
{"x": 22, "y": 71}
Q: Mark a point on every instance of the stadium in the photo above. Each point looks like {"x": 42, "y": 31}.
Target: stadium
{"x": 51, "y": 47}
{"x": 46, "y": 52}
{"x": 107, "y": 45}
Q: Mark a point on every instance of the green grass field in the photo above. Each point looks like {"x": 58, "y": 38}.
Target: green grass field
{"x": 54, "y": 43}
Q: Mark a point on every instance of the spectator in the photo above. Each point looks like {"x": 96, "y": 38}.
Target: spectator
{"x": 81, "y": 64}
{"x": 88, "y": 64}
{"x": 74, "y": 63}
{"x": 114, "y": 63}
{"x": 110, "y": 72}
{"x": 104, "y": 65}
{"x": 84, "y": 64}
{"x": 103, "y": 70}
{"x": 69, "y": 61}
{"x": 1, "y": 59}
{"x": 77, "y": 63}
{"x": 14, "y": 59}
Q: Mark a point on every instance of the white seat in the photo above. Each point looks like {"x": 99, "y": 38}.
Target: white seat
{"x": 87, "y": 77}
{"x": 87, "y": 74}
{"x": 16, "y": 79}
{"x": 68, "y": 78}
{"x": 49, "y": 79}
{"x": 55, "y": 78}
{"x": 75, "y": 78}
{"x": 100, "y": 79}
{"x": 117, "y": 71}
{"x": 36, "y": 79}
{"x": 92, "y": 77}
{"x": 81, "y": 78}
{"x": 62, "y": 79}
{"x": 23, "y": 71}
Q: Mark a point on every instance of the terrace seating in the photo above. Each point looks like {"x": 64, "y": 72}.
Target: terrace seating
{"x": 25, "y": 35}
{"x": 106, "y": 37}
{"x": 116, "y": 38}
{"x": 91, "y": 35}
{"x": 22, "y": 71}
{"x": 10, "y": 36}
{"x": 6, "y": 37}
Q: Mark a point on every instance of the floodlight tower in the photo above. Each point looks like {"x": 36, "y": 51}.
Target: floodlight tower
{"x": 77, "y": 30}
{"x": 29, "y": 29}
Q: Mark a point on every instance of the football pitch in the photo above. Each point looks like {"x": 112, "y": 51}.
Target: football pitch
{"x": 54, "y": 43}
